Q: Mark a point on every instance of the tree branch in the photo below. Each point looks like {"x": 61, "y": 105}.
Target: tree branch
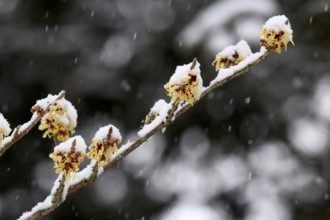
{"x": 22, "y": 130}
{"x": 50, "y": 203}
{"x": 174, "y": 112}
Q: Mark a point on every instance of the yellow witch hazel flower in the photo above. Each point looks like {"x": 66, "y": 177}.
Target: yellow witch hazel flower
{"x": 232, "y": 55}
{"x": 276, "y": 33}
{"x": 186, "y": 83}
{"x": 68, "y": 155}
{"x": 104, "y": 145}
{"x": 4, "y": 128}
{"x": 157, "y": 115}
{"x": 59, "y": 121}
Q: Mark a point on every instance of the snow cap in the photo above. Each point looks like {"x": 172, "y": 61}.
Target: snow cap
{"x": 102, "y": 133}
{"x": 45, "y": 102}
{"x": 232, "y": 55}
{"x": 279, "y": 23}
{"x": 276, "y": 33}
{"x": 186, "y": 84}
{"x": 66, "y": 146}
{"x": 71, "y": 112}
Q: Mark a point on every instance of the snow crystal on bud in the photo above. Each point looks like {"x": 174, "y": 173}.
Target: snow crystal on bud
{"x": 156, "y": 116}
{"x": 4, "y": 128}
{"x": 232, "y": 55}
{"x": 276, "y": 33}
{"x": 103, "y": 132}
{"x": 66, "y": 147}
{"x": 186, "y": 83}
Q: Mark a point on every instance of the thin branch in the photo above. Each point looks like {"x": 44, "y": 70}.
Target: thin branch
{"x": 18, "y": 132}
{"x": 173, "y": 113}
{"x": 50, "y": 203}
{"x": 224, "y": 81}
{"x": 135, "y": 144}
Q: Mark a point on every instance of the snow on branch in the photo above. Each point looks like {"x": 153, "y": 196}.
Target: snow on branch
{"x": 38, "y": 110}
{"x": 56, "y": 196}
{"x": 67, "y": 157}
{"x": 156, "y": 116}
{"x": 185, "y": 89}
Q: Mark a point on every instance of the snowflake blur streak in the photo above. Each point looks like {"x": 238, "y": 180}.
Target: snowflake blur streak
{"x": 187, "y": 89}
{"x": 67, "y": 162}
{"x": 276, "y": 33}
{"x": 102, "y": 150}
{"x": 56, "y": 123}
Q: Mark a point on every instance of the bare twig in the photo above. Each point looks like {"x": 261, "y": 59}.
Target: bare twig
{"x": 18, "y": 133}
{"x": 174, "y": 112}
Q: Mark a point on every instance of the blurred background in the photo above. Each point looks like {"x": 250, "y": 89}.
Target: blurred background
{"x": 256, "y": 149}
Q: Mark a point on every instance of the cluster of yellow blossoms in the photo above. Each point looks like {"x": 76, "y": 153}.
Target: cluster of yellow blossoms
{"x": 221, "y": 61}
{"x": 276, "y": 33}
{"x": 232, "y": 55}
{"x": 185, "y": 91}
{"x": 104, "y": 144}
{"x": 57, "y": 123}
{"x": 67, "y": 159}
{"x": 185, "y": 84}
{"x": 101, "y": 151}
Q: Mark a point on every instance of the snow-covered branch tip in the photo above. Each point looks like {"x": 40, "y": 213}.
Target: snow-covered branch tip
{"x": 276, "y": 33}
{"x": 39, "y": 110}
{"x": 185, "y": 88}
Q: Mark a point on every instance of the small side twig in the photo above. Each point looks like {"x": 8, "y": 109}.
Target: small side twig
{"x": 18, "y": 132}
